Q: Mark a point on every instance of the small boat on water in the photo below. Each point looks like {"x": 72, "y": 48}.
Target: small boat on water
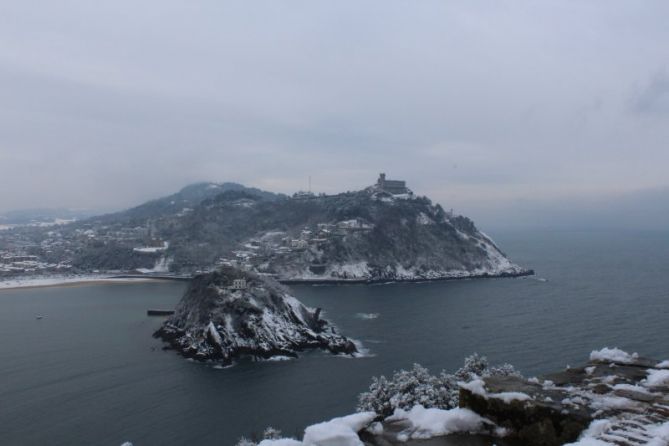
{"x": 159, "y": 312}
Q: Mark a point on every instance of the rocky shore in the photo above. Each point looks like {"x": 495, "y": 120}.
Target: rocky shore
{"x": 616, "y": 399}
{"x": 417, "y": 279}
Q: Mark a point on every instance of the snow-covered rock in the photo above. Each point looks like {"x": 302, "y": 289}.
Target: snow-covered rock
{"x": 229, "y": 313}
{"x": 342, "y": 431}
{"x": 657, "y": 378}
{"x": 425, "y": 423}
{"x": 614, "y": 355}
{"x": 617, "y": 399}
{"x": 339, "y": 431}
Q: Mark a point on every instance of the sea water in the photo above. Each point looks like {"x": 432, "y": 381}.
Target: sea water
{"x": 89, "y": 372}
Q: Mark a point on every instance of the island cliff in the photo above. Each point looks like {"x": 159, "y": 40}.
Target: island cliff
{"x": 230, "y": 313}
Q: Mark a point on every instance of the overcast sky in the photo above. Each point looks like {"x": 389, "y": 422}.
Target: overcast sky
{"x": 482, "y": 105}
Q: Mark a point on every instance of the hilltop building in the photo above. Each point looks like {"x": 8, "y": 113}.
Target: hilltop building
{"x": 394, "y": 187}
{"x": 302, "y": 195}
{"x": 238, "y": 284}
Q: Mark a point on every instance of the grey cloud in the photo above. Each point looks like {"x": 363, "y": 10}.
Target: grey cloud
{"x": 108, "y": 104}
{"x": 653, "y": 98}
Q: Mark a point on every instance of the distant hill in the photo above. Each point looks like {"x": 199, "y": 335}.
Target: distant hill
{"x": 383, "y": 232}
{"x": 46, "y": 215}
{"x": 187, "y": 198}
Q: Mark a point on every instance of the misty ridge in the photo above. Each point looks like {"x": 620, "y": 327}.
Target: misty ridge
{"x": 643, "y": 209}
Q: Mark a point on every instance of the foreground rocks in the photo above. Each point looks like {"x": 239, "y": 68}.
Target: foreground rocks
{"x": 622, "y": 401}
{"x": 617, "y": 399}
{"x": 231, "y": 313}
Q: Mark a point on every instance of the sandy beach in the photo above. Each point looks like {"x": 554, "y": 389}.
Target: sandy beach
{"x": 60, "y": 281}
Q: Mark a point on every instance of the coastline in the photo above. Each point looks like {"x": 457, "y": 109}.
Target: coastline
{"x": 523, "y": 273}
{"x": 70, "y": 281}
{"x": 62, "y": 281}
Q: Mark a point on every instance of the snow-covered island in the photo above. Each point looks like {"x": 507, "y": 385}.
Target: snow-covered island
{"x": 617, "y": 399}
{"x": 230, "y": 313}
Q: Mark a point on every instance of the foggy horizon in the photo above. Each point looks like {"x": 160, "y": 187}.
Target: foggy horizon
{"x": 507, "y": 112}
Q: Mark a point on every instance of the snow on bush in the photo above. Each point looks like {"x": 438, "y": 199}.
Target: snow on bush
{"x": 613, "y": 355}
{"x": 269, "y": 436}
{"x": 406, "y": 389}
{"x": 476, "y": 386}
{"x": 409, "y": 388}
{"x": 271, "y": 433}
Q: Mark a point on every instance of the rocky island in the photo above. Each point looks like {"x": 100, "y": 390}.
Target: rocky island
{"x": 230, "y": 313}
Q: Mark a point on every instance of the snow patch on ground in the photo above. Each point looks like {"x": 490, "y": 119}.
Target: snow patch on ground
{"x": 336, "y": 432}
{"x": 657, "y": 378}
{"x": 587, "y": 438}
{"x": 477, "y": 387}
{"x": 663, "y": 364}
{"x": 613, "y": 355}
{"x": 660, "y": 435}
{"x": 421, "y": 423}
{"x": 427, "y": 423}
{"x": 632, "y": 388}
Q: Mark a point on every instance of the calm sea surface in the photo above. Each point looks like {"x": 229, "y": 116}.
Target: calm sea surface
{"x": 90, "y": 373}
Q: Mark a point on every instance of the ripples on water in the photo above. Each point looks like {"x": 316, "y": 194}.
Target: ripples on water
{"x": 89, "y": 372}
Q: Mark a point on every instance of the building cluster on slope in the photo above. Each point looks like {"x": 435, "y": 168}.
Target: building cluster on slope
{"x": 258, "y": 253}
{"x": 35, "y": 249}
{"x": 14, "y": 264}
{"x": 30, "y": 250}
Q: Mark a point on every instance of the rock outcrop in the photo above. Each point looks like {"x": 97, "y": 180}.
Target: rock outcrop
{"x": 617, "y": 399}
{"x": 231, "y": 313}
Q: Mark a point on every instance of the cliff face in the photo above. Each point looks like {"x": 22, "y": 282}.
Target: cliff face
{"x": 229, "y": 313}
